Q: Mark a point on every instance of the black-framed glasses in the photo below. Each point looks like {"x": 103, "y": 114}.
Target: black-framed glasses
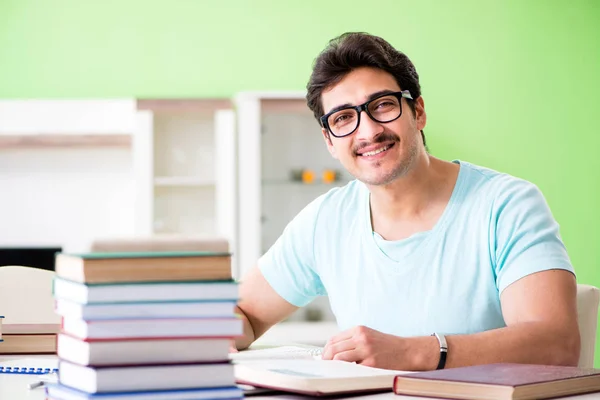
{"x": 385, "y": 108}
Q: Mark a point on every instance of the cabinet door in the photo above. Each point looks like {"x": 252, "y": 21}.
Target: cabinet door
{"x": 283, "y": 166}
{"x": 187, "y": 172}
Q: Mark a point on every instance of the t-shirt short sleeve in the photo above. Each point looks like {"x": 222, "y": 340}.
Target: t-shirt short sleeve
{"x": 289, "y": 265}
{"x": 527, "y": 238}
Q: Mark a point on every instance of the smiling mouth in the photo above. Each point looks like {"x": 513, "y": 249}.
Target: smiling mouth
{"x": 375, "y": 152}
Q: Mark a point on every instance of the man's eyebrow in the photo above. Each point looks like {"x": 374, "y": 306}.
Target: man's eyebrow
{"x": 371, "y": 97}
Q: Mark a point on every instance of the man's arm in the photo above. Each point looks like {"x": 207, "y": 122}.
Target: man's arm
{"x": 540, "y": 311}
{"x": 260, "y": 307}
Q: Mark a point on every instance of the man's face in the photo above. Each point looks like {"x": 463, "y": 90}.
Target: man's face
{"x": 360, "y": 152}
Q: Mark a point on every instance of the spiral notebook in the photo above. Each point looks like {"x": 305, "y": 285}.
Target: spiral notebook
{"x": 29, "y": 366}
{"x": 278, "y": 352}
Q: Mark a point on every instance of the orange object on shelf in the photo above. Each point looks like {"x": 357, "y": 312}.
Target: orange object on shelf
{"x": 329, "y": 176}
{"x": 308, "y": 176}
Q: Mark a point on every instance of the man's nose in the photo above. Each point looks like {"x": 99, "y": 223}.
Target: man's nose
{"x": 368, "y": 128}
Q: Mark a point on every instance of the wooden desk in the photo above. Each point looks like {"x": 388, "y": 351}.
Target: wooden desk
{"x": 16, "y": 387}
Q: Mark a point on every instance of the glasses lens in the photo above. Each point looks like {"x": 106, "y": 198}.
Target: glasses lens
{"x": 343, "y": 122}
{"x": 385, "y": 109}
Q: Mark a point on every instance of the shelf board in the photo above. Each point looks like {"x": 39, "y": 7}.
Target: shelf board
{"x": 64, "y": 140}
{"x": 184, "y": 105}
{"x": 285, "y": 106}
{"x": 190, "y": 181}
{"x": 317, "y": 183}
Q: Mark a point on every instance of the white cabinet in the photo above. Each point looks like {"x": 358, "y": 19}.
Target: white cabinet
{"x": 278, "y": 140}
{"x": 66, "y": 171}
{"x": 188, "y": 168}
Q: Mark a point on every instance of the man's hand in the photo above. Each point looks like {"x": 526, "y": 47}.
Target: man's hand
{"x": 371, "y": 348}
{"x": 232, "y": 347}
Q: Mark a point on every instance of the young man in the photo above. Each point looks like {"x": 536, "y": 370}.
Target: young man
{"x": 415, "y": 245}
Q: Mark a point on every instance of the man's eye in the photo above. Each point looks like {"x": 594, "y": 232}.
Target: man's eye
{"x": 385, "y": 104}
{"x": 342, "y": 118}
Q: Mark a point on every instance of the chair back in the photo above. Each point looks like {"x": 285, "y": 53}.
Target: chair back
{"x": 588, "y": 298}
{"x": 26, "y": 296}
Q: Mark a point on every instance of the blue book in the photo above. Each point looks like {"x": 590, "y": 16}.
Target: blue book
{"x": 61, "y": 392}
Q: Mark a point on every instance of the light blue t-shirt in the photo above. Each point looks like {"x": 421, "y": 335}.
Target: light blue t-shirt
{"x": 495, "y": 230}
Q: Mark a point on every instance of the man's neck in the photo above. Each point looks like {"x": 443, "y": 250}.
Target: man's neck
{"x": 418, "y": 198}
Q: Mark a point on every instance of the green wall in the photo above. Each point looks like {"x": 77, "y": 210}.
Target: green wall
{"x": 512, "y": 85}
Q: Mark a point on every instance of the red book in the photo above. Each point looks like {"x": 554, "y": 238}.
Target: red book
{"x": 500, "y": 382}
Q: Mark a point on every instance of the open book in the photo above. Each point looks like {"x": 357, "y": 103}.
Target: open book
{"x": 314, "y": 377}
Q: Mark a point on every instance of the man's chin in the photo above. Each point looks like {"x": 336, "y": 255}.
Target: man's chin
{"x": 376, "y": 180}
{"x": 381, "y": 178}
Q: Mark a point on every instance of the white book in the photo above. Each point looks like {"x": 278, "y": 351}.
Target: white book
{"x": 315, "y": 377}
{"x": 140, "y": 378}
{"x": 142, "y": 351}
{"x": 152, "y": 328}
{"x": 144, "y": 292}
{"x": 180, "y": 309}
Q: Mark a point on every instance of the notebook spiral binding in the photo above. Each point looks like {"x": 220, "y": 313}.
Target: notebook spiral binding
{"x": 28, "y": 370}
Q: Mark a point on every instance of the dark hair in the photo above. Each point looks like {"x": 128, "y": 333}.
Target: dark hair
{"x": 353, "y": 50}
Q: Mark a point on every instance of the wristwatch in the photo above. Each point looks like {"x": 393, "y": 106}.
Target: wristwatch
{"x": 443, "y": 349}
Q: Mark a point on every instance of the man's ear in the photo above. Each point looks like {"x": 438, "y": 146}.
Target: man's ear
{"x": 327, "y": 138}
{"x": 420, "y": 114}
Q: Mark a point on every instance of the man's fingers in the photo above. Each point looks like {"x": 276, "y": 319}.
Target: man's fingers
{"x": 344, "y": 335}
{"x": 331, "y": 349}
{"x": 353, "y": 355}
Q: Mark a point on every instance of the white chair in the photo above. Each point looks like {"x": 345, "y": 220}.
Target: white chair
{"x": 26, "y": 296}
{"x": 588, "y": 298}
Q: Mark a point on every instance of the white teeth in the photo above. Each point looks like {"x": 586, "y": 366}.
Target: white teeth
{"x": 372, "y": 153}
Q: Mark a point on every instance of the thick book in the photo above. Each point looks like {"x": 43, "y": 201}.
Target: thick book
{"x": 30, "y": 329}
{"x": 500, "y": 382}
{"x": 27, "y": 344}
{"x": 314, "y": 377}
{"x": 144, "y": 292}
{"x": 143, "y": 351}
{"x": 159, "y": 243}
{"x": 173, "y": 309}
{"x": 152, "y": 328}
{"x": 145, "y": 378}
{"x": 57, "y": 391}
{"x": 144, "y": 266}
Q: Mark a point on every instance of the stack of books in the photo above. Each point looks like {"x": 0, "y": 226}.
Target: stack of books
{"x": 145, "y": 326}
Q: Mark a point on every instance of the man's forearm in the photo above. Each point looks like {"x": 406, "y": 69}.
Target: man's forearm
{"x": 527, "y": 342}
{"x": 242, "y": 342}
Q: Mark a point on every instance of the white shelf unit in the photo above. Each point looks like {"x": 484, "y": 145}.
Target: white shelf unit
{"x": 183, "y": 181}
{"x": 189, "y": 170}
{"x": 67, "y": 171}
{"x": 277, "y": 137}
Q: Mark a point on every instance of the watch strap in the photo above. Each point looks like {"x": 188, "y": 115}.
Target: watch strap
{"x": 443, "y": 349}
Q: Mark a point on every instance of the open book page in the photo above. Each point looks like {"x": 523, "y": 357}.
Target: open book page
{"x": 321, "y": 369}
{"x": 278, "y": 353}
{"x": 315, "y": 377}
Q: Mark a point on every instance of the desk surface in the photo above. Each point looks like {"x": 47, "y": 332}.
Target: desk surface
{"x": 16, "y": 387}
